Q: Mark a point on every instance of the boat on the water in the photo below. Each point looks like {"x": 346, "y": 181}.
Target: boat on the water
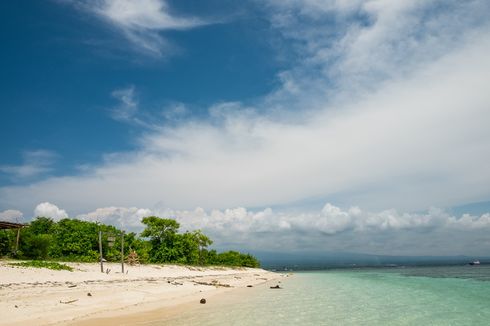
{"x": 476, "y": 262}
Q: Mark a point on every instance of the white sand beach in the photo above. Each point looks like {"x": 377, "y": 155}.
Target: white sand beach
{"x": 38, "y": 296}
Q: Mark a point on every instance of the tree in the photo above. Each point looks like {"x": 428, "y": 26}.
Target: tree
{"x": 42, "y": 225}
{"x": 229, "y": 258}
{"x": 159, "y": 229}
{"x": 234, "y": 258}
{"x": 37, "y": 240}
{"x": 247, "y": 260}
{"x": 186, "y": 249}
{"x": 35, "y": 246}
{"x": 6, "y": 239}
{"x": 211, "y": 257}
{"x": 203, "y": 242}
{"x": 76, "y": 240}
{"x": 162, "y": 234}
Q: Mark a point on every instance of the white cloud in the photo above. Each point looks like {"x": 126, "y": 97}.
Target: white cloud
{"x": 11, "y": 215}
{"x": 353, "y": 229}
{"x": 468, "y": 221}
{"x": 35, "y": 163}
{"x": 330, "y": 220}
{"x": 126, "y": 218}
{"x": 357, "y": 45}
{"x": 412, "y": 144}
{"x": 128, "y": 106}
{"x": 175, "y": 112}
{"x": 142, "y": 21}
{"x": 128, "y": 110}
{"x": 24, "y": 170}
{"x": 47, "y": 209}
{"x": 385, "y": 232}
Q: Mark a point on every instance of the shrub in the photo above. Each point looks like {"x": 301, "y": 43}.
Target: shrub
{"x": 43, "y": 264}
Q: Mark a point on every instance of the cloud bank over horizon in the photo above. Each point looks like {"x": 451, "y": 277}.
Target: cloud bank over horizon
{"x": 383, "y": 105}
{"x": 331, "y": 229}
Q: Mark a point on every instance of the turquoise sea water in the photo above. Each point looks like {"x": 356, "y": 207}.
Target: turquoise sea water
{"x": 446, "y": 295}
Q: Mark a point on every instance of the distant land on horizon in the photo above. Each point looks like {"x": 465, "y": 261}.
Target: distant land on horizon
{"x": 318, "y": 261}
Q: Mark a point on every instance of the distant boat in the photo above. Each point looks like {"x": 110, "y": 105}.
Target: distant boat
{"x": 476, "y": 262}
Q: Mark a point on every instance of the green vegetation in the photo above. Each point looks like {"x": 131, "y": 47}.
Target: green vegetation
{"x": 6, "y": 242}
{"x": 43, "y": 264}
{"x": 76, "y": 240}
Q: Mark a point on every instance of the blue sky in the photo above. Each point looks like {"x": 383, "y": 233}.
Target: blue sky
{"x": 61, "y": 65}
{"x": 357, "y": 125}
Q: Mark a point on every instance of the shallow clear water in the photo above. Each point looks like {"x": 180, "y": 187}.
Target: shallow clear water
{"x": 450, "y": 295}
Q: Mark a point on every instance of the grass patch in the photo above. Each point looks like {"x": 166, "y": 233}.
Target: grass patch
{"x": 44, "y": 264}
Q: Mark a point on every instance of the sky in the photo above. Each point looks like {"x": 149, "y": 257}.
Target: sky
{"x": 291, "y": 125}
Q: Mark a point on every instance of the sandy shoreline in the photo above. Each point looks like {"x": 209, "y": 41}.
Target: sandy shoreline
{"x": 33, "y": 296}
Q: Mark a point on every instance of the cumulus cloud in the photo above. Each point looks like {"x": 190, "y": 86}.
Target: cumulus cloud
{"x": 330, "y": 220}
{"x": 11, "y": 215}
{"x": 47, "y": 209}
{"x": 468, "y": 221}
{"x": 331, "y": 228}
{"x": 126, "y": 218}
{"x": 142, "y": 21}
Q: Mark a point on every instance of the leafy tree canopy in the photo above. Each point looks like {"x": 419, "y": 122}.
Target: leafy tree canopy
{"x": 76, "y": 240}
